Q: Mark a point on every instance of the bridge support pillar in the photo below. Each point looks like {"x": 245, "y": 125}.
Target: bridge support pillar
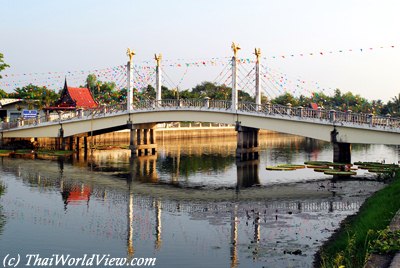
{"x": 78, "y": 143}
{"x": 85, "y": 144}
{"x": 342, "y": 152}
{"x": 71, "y": 143}
{"x": 247, "y": 142}
{"x": 142, "y": 139}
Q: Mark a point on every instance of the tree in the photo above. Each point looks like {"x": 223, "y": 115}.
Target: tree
{"x": 286, "y": 98}
{"x": 394, "y": 105}
{"x": 106, "y": 93}
{"x": 2, "y": 64}
{"x": 244, "y": 96}
{"x": 148, "y": 93}
{"x": 215, "y": 92}
{"x": 167, "y": 94}
{"x": 91, "y": 82}
{"x": 3, "y": 94}
{"x": 32, "y": 92}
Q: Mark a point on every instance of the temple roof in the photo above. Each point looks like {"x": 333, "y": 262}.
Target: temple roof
{"x": 74, "y": 98}
{"x": 82, "y": 97}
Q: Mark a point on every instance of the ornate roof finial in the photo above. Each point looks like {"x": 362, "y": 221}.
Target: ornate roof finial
{"x": 235, "y": 48}
{"x": 130, "y": 53}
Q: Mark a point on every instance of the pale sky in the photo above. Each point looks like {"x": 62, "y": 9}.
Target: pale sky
{"x": 46, "y": 35}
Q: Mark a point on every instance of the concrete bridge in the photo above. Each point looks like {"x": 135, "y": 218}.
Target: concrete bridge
{"x": 317, "y": 124}
{"x": 141, "y": 117}
{"x": 332, "y": 126}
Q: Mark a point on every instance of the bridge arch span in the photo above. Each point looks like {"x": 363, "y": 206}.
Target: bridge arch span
{"x": 315, "y": 128}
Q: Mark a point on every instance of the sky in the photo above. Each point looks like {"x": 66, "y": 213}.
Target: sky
{"x": 46, "y": 36}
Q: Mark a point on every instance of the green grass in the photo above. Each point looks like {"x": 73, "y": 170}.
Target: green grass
{"x": 55, "y": 152}
{"x": 5, "y": 151}
{"x": 349, "y": 247}
{"x": 23, "y": 151}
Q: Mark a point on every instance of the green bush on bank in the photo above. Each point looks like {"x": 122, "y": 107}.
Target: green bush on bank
{"x": 362, "y": 234}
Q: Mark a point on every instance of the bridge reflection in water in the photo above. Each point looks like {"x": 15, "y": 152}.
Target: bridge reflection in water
{"x": 156, "y": 186}
{"x": 143, "y": 170}
{"x": 258, "y": 215}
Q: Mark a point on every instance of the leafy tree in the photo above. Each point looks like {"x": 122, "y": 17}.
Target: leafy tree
{"x": 286, "y": 98}
{"x": 166, "y": 93}
{"x": 148, "y": 93}
{"x": 392, "y": 107}
{"x": 244, "y": 96}
{"x": 215, "y": 92}
{"x": 32, "y": 92}
{"x": 91, "y": 82}
{"x": 3, "y": 65}
{"x": 3, "y": 94}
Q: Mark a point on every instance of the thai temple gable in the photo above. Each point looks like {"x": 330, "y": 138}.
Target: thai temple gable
{"x": 74, "y": 98}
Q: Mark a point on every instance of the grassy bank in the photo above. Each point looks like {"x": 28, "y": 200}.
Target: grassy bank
{"x": 349, "y": 246}
{"x": 30, "y": 151}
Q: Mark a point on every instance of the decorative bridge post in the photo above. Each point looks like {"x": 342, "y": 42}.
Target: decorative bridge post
{"x": 129, "y": 99}
{"x": 257, "y": 52}
{"x": 235, "y": 48}
{"x": 158, "y": 78}
{"x": 142, "y": 136}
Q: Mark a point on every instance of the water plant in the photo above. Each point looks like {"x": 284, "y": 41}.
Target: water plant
{"x": 277, "y": 168}
{"x": 295, "y": 166}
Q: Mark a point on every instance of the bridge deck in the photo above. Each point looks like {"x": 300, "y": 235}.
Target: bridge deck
{"x": 351, "y": 127}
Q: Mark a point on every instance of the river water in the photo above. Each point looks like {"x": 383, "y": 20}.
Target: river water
{"x": 192, "y": 205}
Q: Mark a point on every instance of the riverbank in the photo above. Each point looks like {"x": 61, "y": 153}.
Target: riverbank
{"x": 350, "y": 246}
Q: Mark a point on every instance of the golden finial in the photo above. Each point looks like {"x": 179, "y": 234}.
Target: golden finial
{"x": 130, "y": 53}
{"x": 158, "y": 58}
{"x": 235, "y": 48}
{"x": 257, "y": 52}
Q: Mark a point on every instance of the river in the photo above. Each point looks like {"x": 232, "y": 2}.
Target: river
{"x": 192, "y": 205}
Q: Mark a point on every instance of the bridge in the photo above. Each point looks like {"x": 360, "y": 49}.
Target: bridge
{"x": 141, "y": 117}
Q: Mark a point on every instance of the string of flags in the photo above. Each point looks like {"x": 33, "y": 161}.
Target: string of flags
{"x": 197, "y": 63}
{"x": 323, "y": 53}
{"x": 145, "y": 72}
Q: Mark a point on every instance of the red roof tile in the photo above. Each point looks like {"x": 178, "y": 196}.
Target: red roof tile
{"x": 82, "y": 97}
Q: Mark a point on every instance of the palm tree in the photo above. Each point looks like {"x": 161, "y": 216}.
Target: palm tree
{"x": 396, "y": 104}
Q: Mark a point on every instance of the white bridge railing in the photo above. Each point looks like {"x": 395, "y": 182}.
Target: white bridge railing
{"x": 319, "y": 115}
